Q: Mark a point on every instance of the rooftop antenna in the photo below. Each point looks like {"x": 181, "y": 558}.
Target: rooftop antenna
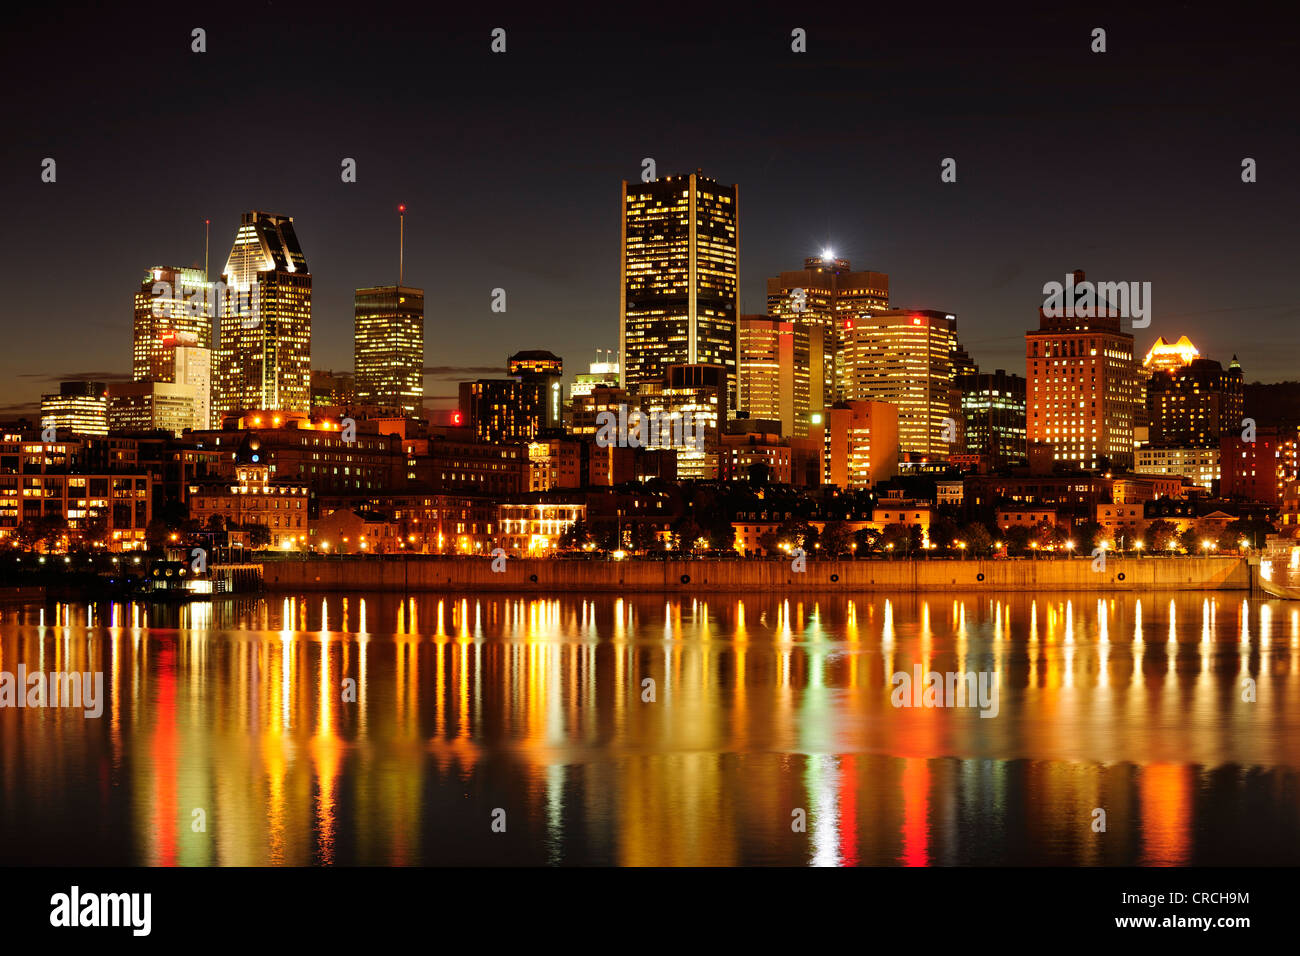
{"x": 401, "y": 243}
{"x": 207, "y": 232}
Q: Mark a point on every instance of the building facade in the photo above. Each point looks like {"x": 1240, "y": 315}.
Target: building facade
{"x": 174, "y": 308}
{"x": 388, "y": 348}
{"x": 679, "y": 277}
{"x": 993, "y": 409}
{"x": 264, "y": 352}
{"x": 78, "y": 408}
{"x": 904, "y": 358}
{"x": 1081, "y": 388}
{"x": 820, "y": 298}
{"x": 861, "y": 444}
{"x": 774, "y": 371}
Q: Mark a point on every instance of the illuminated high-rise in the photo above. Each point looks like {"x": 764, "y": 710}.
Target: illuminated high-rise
{"x": 598, "y": 373}
{"x": 264, "y": 352}
{"x": 1192, "y": 404}
{"x": 194, "y": 368}
{"x": 774, "y": 372}
{"x": 679, "y": 272}
{"x": 903, "y": 357}
{"x": 174, "y": 308}
{"x": 389, "y": 348}
{"x": 79, "y": 408}
{"x": 546, "y": 370}
{"x": 696, "y": 397}
{"x": 993, "y": 407}
{"x": 821, "y": 297}
{"x": 860, "y": 447}
{"x": 1081, "y": 388}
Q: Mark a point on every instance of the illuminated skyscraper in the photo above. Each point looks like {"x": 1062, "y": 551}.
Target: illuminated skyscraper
{"x": 264, "y": 354}
{"x": 1081, "y": 387}
{"x": 173, "y": 308}
{"x": 389, "y": 348}
{"x": 678, "y": 277}
{"x": 822, "y": 297}
{"x": 774, "y": 372}
{"x": 903, "y": 357}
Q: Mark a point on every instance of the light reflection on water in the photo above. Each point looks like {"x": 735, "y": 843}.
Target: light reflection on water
{"x": 377, "y": 729}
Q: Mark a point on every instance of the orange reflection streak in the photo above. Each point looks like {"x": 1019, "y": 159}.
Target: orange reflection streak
{"x": 326, "y": 750}
{"x": 916, "y": 808}
{"x": 163, "y": 752}
{"x": 1166, "y": 794}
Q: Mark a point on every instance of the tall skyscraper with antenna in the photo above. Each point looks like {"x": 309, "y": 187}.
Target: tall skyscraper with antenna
{"x": 264, "y": 352}
{"x": 388, "y": 342}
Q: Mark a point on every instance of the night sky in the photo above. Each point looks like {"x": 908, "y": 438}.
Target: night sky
{"x": 1126, "y": 164}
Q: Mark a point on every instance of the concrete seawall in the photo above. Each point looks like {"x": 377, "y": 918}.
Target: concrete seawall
{"x": 542, "y": 575}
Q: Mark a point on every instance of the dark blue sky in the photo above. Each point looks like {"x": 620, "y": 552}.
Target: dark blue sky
{"x": 1125, "y": 164}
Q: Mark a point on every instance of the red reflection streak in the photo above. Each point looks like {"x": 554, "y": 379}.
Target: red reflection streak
{"x": 849, "y": 810}
{"x": 164, "y": 760}
{"x": 916, "y": 789}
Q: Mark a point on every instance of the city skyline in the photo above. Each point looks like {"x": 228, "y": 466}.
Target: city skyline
{"x": 1029, "y": 204}
{"x": 453, "y": 375}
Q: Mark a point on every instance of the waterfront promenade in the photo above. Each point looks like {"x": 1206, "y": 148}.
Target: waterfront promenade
{"x": 432, "y": 573}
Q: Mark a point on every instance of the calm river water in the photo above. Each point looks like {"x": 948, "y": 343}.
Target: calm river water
{"x": 496, "y": 729}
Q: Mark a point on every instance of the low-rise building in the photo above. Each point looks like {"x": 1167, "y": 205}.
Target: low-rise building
{"x": 254, "y": 498}
{"x": 534, "y": 524}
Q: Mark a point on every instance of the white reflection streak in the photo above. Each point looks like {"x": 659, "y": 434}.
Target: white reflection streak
{"x": 823, "y": 784}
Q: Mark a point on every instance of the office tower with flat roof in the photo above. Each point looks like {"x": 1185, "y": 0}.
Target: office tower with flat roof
{"x": 174, "y": 308}
{"x": 78, "y": 408}
{"x": 1081, "y": 386}
{"x": 546, "y": 370}
{"x": 773, "y": 359}
{"x": 903, "y": 357}
{"x": 690, "y": 402}
{"x": 679, "y": 276}
{"x": 861, "y": 444}
{"x": 388, "y": 348}
{"x": 194, "y": 368}
{"x": 993, "y": 407}
{"x": 503, "y": 410}
{"x": 153, "y": 406}
{"x": 821, "y": 297}
{"x": 330, "y": 389}
{"x": 264, "y": 352}
{"x": 600, "y": 372}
